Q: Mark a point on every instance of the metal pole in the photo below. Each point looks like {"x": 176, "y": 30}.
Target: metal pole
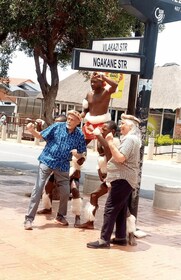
{"x": 134, "y": 78}
{"x": 132, "y": 94}
{"x": 143, "y": 98}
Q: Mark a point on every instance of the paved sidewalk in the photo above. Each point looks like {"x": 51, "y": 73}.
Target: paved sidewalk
{"x": 51, "y": 252}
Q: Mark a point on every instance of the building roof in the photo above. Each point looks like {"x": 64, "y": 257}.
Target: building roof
{"x": 166, "y": 88}
{"x": 75, "y": 88}
{"x": 19, "y": 81}
{"x": 6, "y": 98}
{"x": 21, "y": 88}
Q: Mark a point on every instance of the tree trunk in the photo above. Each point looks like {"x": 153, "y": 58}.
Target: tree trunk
{"x": 49, "y": 91}
{"x": 48, "y": 104}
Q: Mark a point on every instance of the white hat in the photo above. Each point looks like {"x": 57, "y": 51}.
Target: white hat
{"x": 75, "y": 113}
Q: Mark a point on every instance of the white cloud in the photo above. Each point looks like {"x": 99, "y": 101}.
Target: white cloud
{"x": 23, "y": 67}
{"x": 169, "y": 44}
{"x": 168, "y": 50}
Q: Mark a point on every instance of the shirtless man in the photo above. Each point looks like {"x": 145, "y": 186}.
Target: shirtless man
{"x": 96, "y": 103}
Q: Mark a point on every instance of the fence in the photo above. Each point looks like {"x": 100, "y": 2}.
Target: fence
{"x": 153, "y": 149}
{"x": 14, "y": 125}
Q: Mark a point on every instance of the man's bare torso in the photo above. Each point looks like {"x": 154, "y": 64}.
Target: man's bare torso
{"x": 98, "y": 102}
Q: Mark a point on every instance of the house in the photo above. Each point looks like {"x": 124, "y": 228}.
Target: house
{"x": 7, "y": 103}
{"x": 20, "y": 97}
{"x": 165, "y": 103}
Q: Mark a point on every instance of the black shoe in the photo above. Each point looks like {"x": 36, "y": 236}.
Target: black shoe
{"x": 61, "y": 221}
{"x": 44, "y": 211}
{"x": 121, "y": 242}
{"x": 99, "y": 244}
{"x": 87, "y": 225}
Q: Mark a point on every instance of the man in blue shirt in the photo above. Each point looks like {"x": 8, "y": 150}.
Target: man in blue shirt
{"x": 61, "y": 139}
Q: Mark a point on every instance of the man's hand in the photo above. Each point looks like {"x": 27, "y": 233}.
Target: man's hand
{"x": 79, "y": 157}
{"x": 90, "y": 128}
{"x": 97, "y": 131}
{"x": 30, "y": 126}
{"x": 102, "y": 176}
{"x": 82, "y": 115}
{"x": 109, "y": 137}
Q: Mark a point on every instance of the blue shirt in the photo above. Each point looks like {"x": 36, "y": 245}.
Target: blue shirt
{"x": 60, "y": 142}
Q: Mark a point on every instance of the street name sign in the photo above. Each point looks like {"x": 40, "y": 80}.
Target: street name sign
{"x": 159, "y": 11}
{"x": 118, "y": 45}
{"x": 107, "y": 62}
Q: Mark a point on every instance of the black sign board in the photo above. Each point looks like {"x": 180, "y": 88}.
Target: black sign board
{"x": 159, "y": 11}
{"x": 106, "y": 62}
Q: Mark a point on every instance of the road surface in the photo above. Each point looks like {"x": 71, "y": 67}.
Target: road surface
{"x": 24, "y": 158}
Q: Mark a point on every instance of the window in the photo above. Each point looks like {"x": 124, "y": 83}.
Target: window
{"x": 70, "y": 107}
{"x": 113, "y": 113}
{"x": 168, "y": 124}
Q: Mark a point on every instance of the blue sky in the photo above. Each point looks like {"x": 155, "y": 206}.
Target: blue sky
{"x": 168, "y": 50}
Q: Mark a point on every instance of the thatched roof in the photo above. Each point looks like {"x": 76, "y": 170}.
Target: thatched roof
{"x": 75, "y": 88}
{"x": 166, "y": 89}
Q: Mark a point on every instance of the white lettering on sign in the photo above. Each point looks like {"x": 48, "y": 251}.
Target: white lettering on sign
{"x": 109, "y": 63}
{"x": 84, "y": 59}
{"x": 118, "y": 47}
{"x": 177, "y": 1}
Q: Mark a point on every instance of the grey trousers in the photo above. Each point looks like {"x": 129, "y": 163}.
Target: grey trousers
{"x": 62, "y": 179}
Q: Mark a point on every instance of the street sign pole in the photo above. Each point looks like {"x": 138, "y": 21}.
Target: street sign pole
{"x": 143, "y": 97}
{"x": 134, "y": 78}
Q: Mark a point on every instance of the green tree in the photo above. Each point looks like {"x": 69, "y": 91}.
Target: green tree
{"x": 5, "y": 45}
{"x": 48, "y": 30}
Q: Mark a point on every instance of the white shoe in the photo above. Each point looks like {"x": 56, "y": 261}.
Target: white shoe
{"x": 28, "y": 225}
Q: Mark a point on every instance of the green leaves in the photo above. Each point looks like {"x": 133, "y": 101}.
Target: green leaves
{"x": 59, "y": 26}
{"x": 50, "y": 29}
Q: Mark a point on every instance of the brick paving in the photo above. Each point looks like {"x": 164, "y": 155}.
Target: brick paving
{"x": 51, "y": 252}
